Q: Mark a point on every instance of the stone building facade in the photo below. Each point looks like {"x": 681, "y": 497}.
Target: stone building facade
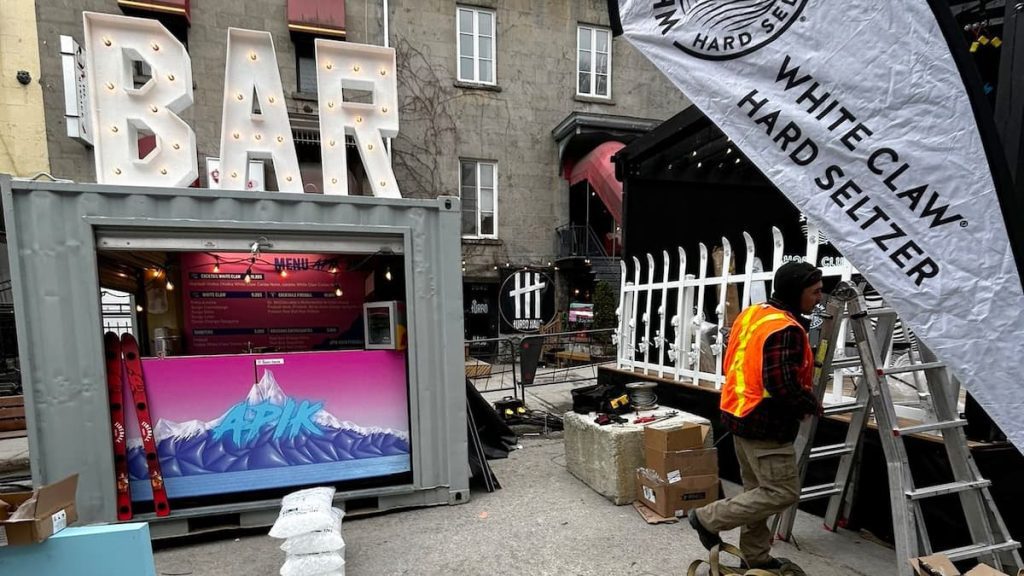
{"x": 506, "y": 126}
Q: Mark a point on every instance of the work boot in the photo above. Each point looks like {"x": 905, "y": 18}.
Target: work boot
{"x": 782, "y": 566}
{"x": 708, "y": 539}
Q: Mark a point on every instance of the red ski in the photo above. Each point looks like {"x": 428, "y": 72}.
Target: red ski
{"x": 137, "y": 384}
{"x": 115, "y": 390}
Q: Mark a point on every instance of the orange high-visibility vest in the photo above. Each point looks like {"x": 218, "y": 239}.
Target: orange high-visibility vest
{"x": 744, "y": 358}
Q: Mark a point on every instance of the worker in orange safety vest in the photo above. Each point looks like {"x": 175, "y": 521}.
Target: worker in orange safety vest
{"x": 767, "y": 392}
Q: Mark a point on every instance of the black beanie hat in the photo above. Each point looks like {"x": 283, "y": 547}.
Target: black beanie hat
{"x": 790, "y": 280}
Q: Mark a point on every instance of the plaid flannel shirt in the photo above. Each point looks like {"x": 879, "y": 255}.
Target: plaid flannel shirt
{"x": 778, "y": 417}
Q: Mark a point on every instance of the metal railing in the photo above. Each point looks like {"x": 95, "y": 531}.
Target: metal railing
{"x": 576, "y": 240}
{"x": 516, "y": 362}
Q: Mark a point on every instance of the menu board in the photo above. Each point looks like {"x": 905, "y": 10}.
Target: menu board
{"x": 290, "y": 303}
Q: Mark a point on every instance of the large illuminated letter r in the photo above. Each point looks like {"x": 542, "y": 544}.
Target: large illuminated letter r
{"x": 344, "y": 68}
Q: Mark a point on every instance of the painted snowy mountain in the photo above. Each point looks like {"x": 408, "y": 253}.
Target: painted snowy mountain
{"x": 195, "y": 447}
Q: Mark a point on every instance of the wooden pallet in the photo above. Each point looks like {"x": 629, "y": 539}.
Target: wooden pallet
{"x": 12, "y": 413}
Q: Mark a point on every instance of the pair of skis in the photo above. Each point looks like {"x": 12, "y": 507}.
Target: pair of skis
{"x": 123, "y": 361}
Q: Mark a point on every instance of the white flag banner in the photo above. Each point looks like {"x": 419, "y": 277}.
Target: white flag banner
{"x": 856, "y": 110}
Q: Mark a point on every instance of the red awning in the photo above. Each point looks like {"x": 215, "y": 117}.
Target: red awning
{"x": 319, "y": 17}
{"x": 597, "y": 168}
{"x": 180, "y": 7}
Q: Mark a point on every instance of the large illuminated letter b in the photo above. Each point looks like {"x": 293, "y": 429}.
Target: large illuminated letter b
{"x": 140, "y": 77}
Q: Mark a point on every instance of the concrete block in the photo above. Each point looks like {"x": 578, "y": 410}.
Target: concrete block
{"x": 113, "y": 550}
{"x": 606, "y": 457}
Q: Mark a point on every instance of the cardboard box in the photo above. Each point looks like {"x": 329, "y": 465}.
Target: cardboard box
{"x": 936, "y": 564}
{"x": 674, "y": 466}
{"x": 50, "y": 509}
{"x": 675, "y": 437}
{"x": 984, "y": 570}
{"x": 676, "y": 499}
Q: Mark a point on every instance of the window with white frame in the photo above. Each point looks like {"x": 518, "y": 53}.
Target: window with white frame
{"x": 594, "y": 62}
{"x": 479, "y": 192}
{"x": 476, "y": 45}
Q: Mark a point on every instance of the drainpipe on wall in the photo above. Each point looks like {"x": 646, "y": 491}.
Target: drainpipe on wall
{"x": 387, "y": 43}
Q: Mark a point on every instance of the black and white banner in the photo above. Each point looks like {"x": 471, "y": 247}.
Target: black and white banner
{"x": 857, "y": 111}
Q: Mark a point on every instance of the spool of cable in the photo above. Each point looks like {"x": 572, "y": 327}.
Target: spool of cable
{"x": 642, "y": 396}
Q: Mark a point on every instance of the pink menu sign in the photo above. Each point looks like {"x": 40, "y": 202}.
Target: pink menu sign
{"x": 292, "y": 302}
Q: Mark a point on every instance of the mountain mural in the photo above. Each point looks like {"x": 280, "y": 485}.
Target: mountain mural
{"x": 267, "y": 429}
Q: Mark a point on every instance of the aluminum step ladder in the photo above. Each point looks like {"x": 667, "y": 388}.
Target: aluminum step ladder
{"x": 991, "y": 541}
{"x": 832, "y": 331}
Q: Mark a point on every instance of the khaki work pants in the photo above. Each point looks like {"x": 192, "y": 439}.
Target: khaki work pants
{"x": 770, "y": 485}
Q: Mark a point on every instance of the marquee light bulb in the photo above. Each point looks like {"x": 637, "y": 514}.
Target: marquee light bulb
{"x": 271, "y": 99}
{"x": 154, "y": 109}
{"x": 384, "y": 109}
{"x": 359, "y": 119}
{"x": 383, "y": 71}
{"x": 355, "y": 68}
{"x": 369, "y": 146}
{"x": 235, "y": 135}
{"x": 163, "y": 171}
{"x": 110, "y": 85}
{"x": 252, "y": 56}
{"x": 258, "y": 137}
{"x": 170, "y": 77}
{"x": 329, "y": 66}
{"x": 113, "y": 129}
{"x": 331, "y": 143}
{"x": 156, "y": 47}
{"x": 117, "y": 171}
{"x": 107, "y": 41}
{"x": 280, "y": 138}
{"x": 177, "y": 146}
{"x": 240, "y": 96}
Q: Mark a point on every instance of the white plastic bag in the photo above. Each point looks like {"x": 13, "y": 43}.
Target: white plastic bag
{"x": 304, "y": 511}
{"x": 313, "y": 564}
{"x": 328, "y": 540}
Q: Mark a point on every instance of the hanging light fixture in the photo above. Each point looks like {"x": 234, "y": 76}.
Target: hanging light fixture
{"x": 387, "y": 274}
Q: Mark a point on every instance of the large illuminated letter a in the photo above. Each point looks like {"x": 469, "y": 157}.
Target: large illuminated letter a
{"x": 358, "y": 96}
{"x": 255, "y": 122}
{"x": 140, "y": 79}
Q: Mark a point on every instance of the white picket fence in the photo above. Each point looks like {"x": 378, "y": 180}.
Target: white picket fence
{"x": 660, "y": 321}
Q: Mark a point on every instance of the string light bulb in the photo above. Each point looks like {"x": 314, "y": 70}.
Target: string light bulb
{"x": 333, "y": 269}
{"x": 139, "y": 308}
{"x": 169, "y": 285}
{"x": 387, "y": 274}
{"x": 337, "y": 291}
{"x": 216, "y": 266}
{"x": 248, "y": 276}
{"x": 284, "y": 273}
